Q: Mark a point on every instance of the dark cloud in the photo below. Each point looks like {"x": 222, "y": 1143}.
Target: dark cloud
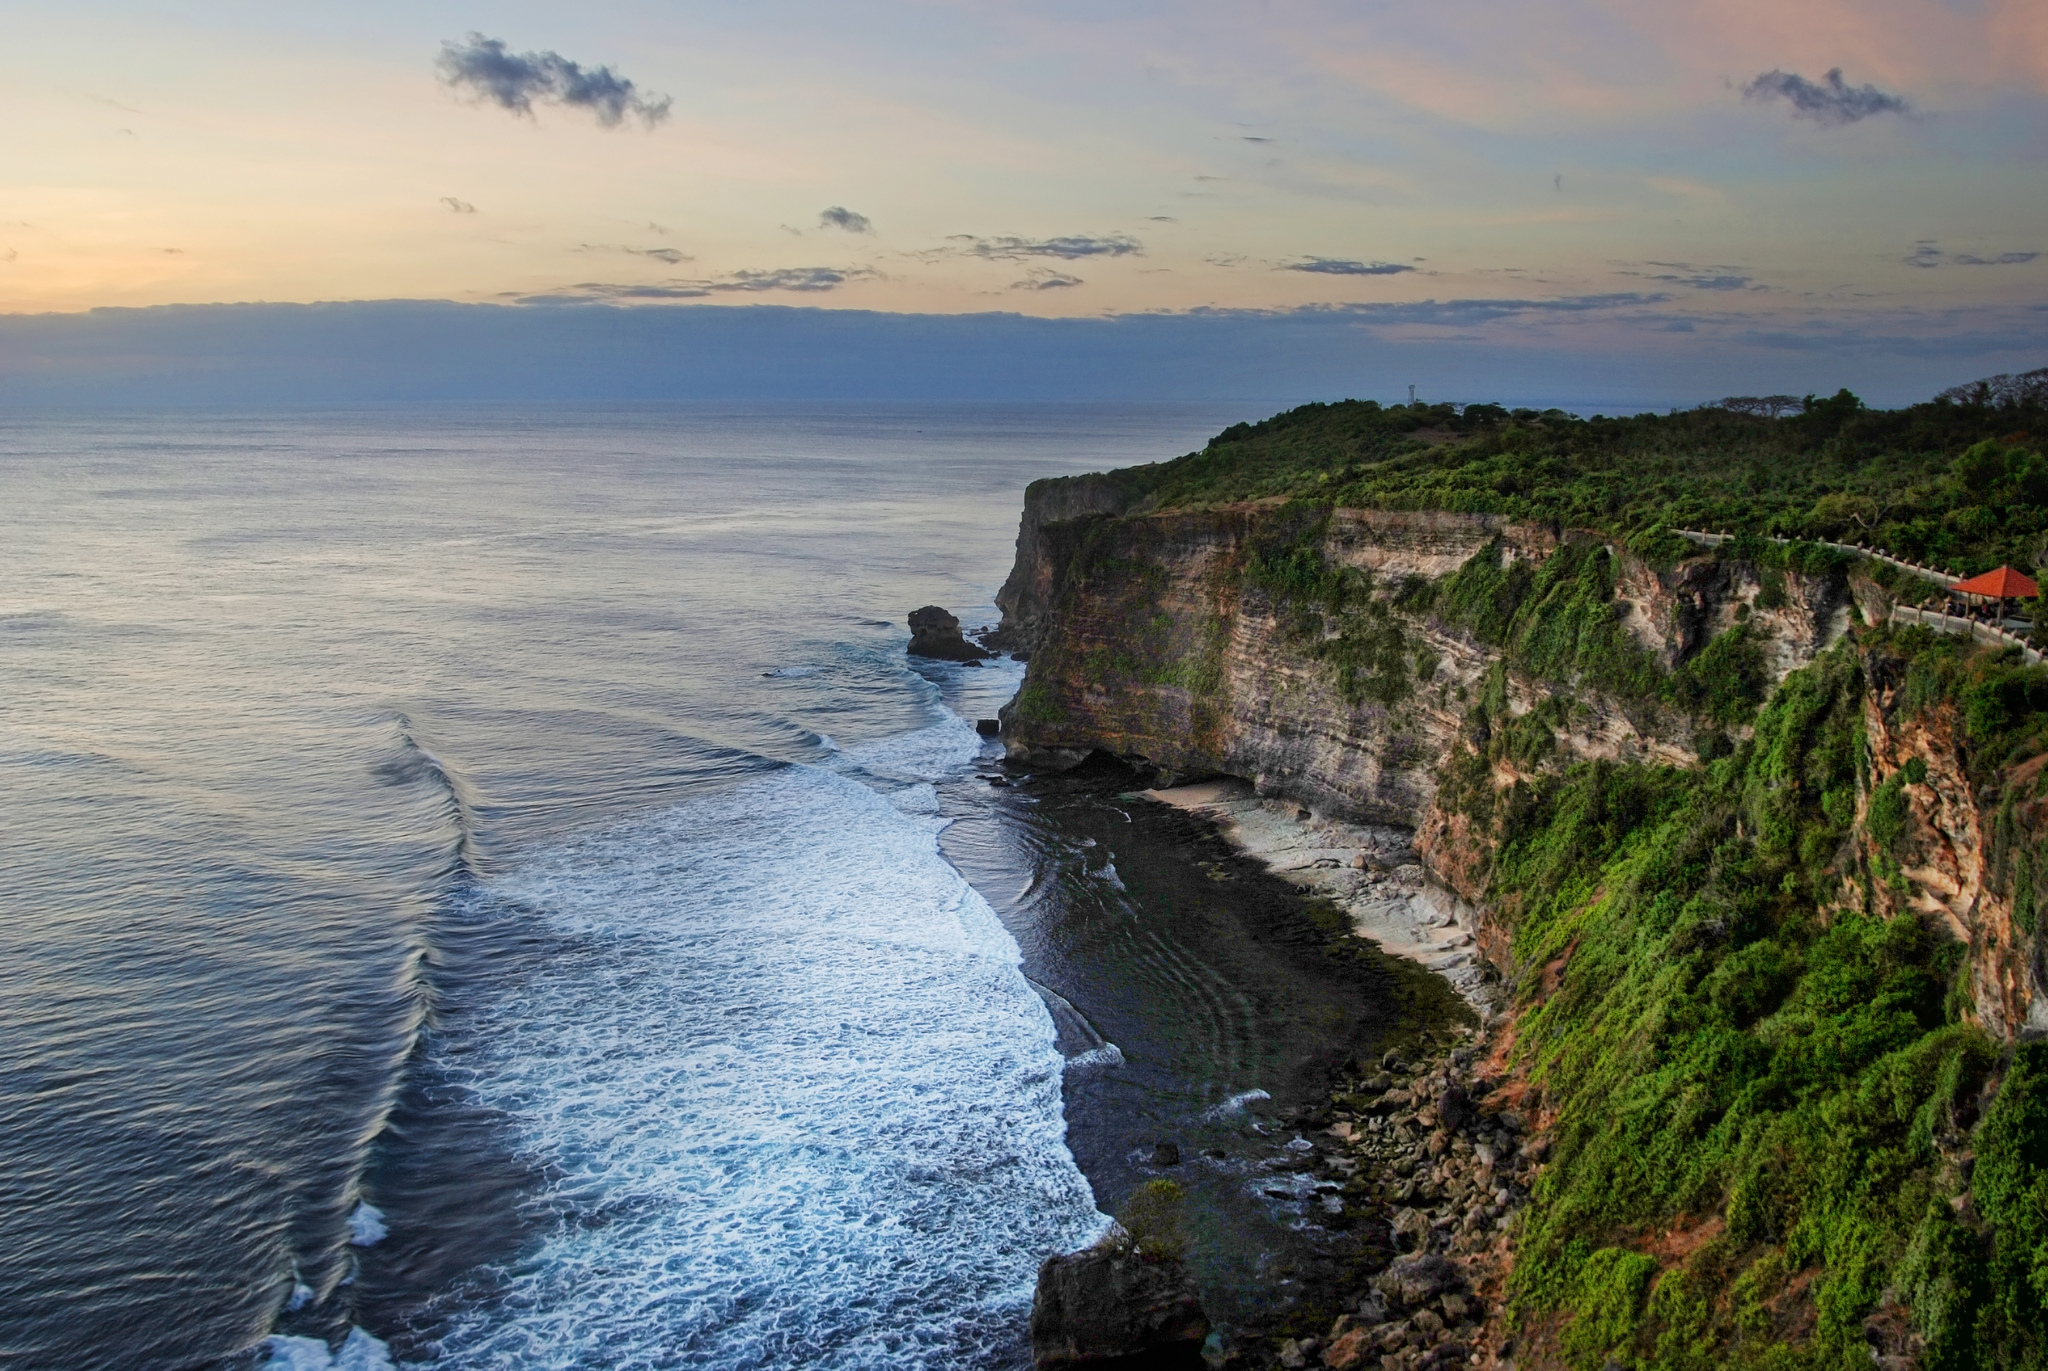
{"x": 1465, "y": 313}
{"x": 1068, "y": 249}
{"x": 1927, "y": 253}
{"x": 2003, "y": 259}
{"x": 1250, "y": 139}
{"x": 1343, "y": 266}
{"x": 514, "y": 80}
{"x": 668, "y": 255}
{"x": 1830, "y": 102}
{"x": 456, "y": 206}
{"x": 1043, "y": 278}
{"x": 840, "y": 217}
{"x": 1709, "y": 278}
{"x": 1164, "y": 219}
{"x": 801, "y": 280}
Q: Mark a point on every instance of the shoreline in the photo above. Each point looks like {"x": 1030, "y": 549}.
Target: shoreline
{"x": 1436, "y": 1148}
{"x": 1371, "y": 872}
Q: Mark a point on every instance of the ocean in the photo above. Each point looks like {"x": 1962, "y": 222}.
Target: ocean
{"x": 486, "y": 888}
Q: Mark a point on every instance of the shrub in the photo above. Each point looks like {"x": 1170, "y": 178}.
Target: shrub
{"x": 1154, "y": 1218}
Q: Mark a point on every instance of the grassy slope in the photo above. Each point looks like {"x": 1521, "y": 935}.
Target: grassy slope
{"x": 1963, "y": 486}
{"x": 1737, "y": 1045}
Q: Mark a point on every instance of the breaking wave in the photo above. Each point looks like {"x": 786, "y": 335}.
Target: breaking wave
{"x": 803, "y": 1106}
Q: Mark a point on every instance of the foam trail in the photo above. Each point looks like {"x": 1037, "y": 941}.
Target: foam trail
{"x": 1235, "y": 1104}
{"x": 805, "y": 1107}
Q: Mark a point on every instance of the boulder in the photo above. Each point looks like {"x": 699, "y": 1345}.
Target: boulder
{"x": 1416, "y": 1280}
{"x": 935, "y": 633}
{"x": 1454, "y": 1107}
{"x": 1166, "y": 1154}
{"x": 988, "y": 728}
{"x": 1109, "y": 1302}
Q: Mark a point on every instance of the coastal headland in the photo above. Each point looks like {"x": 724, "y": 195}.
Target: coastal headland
{"x": 1739, "y": 876}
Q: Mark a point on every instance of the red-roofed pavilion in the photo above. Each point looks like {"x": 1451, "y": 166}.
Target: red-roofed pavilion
{"x": 2002, "y": 584}
{"x": 1997, "y": 587}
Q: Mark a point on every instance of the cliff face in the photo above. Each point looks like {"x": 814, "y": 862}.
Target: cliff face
{"x": 1152, "y": 638}
{"x": 1148, "y": 642}
{"x": 1942, "y": 856}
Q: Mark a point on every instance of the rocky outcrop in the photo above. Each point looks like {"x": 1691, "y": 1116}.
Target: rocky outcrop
{"x": 1947, "y": 859}
{"x": 1148, "y": 640}
{"x": 935, "y": 633}
{"x": 1111, "y": 1302}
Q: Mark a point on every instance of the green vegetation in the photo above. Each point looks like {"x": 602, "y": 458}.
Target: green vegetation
{"x": 1729, "y": 1026}
{"x": 1782, "y": 1140}
{"x": 1333, "y": 615}
{"x": 1154, "y": 1217}
{"x": 1964, "y": 486}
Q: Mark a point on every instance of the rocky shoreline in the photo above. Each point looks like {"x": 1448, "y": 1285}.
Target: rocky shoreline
{"x": 1439, "y": 1150}
{"x": 1425, "y": 1153}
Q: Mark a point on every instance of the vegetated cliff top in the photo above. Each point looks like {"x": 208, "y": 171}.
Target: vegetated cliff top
{"x": 1963, "y": 485}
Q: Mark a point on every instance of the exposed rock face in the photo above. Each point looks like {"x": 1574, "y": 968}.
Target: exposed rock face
{"x": 1958, "y": 861}
{"x": 1148, "y": 640}
{"x": 1109, "y": 1302}
{"x": 935, "y": 633}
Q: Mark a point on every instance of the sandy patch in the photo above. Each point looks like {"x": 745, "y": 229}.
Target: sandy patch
{"x": 1370, "y": 871}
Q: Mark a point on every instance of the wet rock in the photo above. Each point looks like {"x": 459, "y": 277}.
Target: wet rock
{"x": 1418, "y": 1279}
{"x": 1166, "y": 1154}
{"x": 988, "y": 728}
{"x": 1350, "y": 1350}
{"x": 1411, "y": 1228}
{"x": 1109, "y": 1302}
{"x": 1454, "y": 1107}
{"x": 935, "y": 633}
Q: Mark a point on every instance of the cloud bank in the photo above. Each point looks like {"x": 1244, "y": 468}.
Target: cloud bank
{"x": 800, "y": 280}
{"x": 513, "y": 81}
{"x": 1831, "y": 102}
{"x": 1068, "y": 249}
{"x": 1340, "y": 266}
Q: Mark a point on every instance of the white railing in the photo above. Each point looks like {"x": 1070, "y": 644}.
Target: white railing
{"x": 1940, "y": 578}
{"x": 1955, "y": 623}
{"x": 1940, "y": 622}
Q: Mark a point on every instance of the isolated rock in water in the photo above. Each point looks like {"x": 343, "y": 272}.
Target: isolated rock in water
{"x": 988, "y": 728}
{"x": 935, "y": 633}
{"x": 1110, "y": 1302}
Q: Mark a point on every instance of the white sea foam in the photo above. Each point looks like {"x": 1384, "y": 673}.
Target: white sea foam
{"x": 805, "y": 1107}
{"x": 1235, "y": 1104}
{"x": 358, "y": 1352}
{"x": 366, "y": 1226}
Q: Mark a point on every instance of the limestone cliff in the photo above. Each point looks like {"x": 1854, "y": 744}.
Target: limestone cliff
{"x": 1152, "y": 637}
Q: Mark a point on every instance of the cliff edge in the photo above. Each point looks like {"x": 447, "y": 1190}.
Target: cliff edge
{"x": 1755, "y": 873}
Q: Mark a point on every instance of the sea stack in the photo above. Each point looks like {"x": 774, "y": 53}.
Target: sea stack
{"x": 936, "y": 633}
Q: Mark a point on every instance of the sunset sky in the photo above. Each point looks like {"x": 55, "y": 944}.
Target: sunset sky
{"x": 1620, "y": 168}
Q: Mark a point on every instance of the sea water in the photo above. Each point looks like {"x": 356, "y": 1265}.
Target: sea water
{"x": 477, "y": 890}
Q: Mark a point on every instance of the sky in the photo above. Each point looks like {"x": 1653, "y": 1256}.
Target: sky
{"x": 1806, "y": 184}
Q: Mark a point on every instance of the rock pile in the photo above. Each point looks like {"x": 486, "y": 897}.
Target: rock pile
{"x": 1431, "y": 1149}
